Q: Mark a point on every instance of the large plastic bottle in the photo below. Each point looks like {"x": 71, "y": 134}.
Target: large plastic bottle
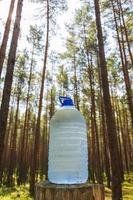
{"x": 68, "y": 152}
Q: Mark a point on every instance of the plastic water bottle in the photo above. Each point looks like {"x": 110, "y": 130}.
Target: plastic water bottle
{"x": 68, "y": 154}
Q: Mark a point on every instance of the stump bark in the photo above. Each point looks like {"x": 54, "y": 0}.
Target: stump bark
{"x": 48, "y": 191}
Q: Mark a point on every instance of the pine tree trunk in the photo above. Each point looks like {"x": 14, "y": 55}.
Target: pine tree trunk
{"x": 12, "y": 157}
{"x": 45, "y": 142}
{"x": 104, "y": 133}
{"x": 105, "y": 143}
{"x": 97, "y": 161}
{"x": 126, "y": 76}
{"x": 114, "y": 107}
{"x": 52, "y": 106}
{"x": 37, "y": 129}
{"x": 6, "y": 35}
{"x": 127, "y": 134}
{"x": 9, "y": 77}
{"x": 125, "y": 30}
{"x": 5, "y": 151}
{"x": 123, "y": 61}
{"x": 111, "y": 127}
{"x": 22, "y": 159}
{"x": 124, "y": 144}
{"x": 76, "y": 99}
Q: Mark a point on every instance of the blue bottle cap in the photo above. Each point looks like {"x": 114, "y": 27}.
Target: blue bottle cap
{"x": 65, "y": 101}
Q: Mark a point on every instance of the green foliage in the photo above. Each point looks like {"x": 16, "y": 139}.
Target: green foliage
{"x": 62, "y": 77}
{"x": 35, "y": 38}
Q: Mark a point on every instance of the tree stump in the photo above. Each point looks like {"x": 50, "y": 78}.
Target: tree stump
{"x": 48, "y": 191}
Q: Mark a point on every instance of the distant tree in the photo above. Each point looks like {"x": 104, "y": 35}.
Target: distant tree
{"x": 85, "y": 24}
{"x": 120, "y": 26}
{"x": 20, "y": 76}
{"x": 51, "y": 7}
{"x": 34, "y": 38}
{"x": 62, "y": 80}
{"x": 37, "y": 130}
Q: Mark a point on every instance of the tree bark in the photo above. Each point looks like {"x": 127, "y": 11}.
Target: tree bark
{"x": 12, "y": 157}
{"x": 94, "y": 128}
{"x": 105, "y": 146}
{"x": 76, "y": 97}
{"x": 110, "y": 121}
{"x": 6, "y": 35}
{"x": 5, "y": 155}
{"x": 22, "y": 157}
{"x": 9, "y": 77}
{"x": 48, "y": 191}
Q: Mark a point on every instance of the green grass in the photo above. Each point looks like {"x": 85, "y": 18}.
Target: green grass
{"x": 22, "y": 193}
{"x": 15, "y": 193}
{"x": 127, "y": 189}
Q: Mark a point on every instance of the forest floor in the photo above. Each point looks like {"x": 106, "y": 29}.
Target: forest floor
{"x": 22, "y": 193}
{"x": 15, "y": 193}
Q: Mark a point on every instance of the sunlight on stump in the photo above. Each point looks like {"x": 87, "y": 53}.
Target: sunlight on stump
{"x": 86, "y": 191}
{"x": 68, "y": 158}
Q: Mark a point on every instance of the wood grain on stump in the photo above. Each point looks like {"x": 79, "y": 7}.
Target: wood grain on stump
{"x": 48, "y": 191}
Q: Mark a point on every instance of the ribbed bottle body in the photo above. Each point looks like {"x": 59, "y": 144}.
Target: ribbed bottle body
{"x": 68, "y": 154}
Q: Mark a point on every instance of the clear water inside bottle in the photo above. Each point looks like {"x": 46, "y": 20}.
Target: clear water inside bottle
{"x": 68, "y": 154}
